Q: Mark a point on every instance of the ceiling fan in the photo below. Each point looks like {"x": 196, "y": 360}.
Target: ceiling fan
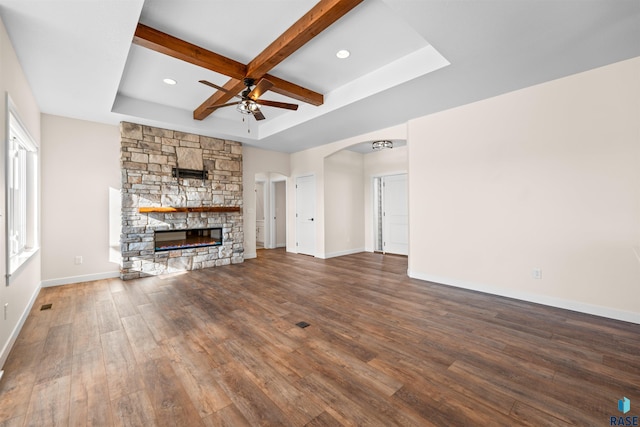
{"x": 249, "y": 98}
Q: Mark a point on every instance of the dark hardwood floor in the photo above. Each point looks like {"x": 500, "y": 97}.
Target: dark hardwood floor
{"x": 220, "y": 347}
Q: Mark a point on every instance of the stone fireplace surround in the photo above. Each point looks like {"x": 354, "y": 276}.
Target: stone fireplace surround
{"x": 147, "y": 157}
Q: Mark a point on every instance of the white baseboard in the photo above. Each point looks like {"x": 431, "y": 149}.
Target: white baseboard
{"x": 78, "y": 279}
{"x": 250, "y": 255}
{"x": 14, "y": 334}
{"x": 342, "y": 253}
{"x": 596, "y": 310}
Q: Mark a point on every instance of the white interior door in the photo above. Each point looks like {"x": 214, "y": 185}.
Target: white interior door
{"x": 305, "y": 215}
{"x": 395, "y": 229}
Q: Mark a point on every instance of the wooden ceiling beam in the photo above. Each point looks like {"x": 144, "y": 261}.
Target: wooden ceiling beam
{"x": 312, "y": 23}
{"x": 172, "y": 46}
{"x": 294, "y": 91}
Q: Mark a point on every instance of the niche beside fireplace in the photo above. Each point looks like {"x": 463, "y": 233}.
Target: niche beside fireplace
{"x": 171, "y": 240}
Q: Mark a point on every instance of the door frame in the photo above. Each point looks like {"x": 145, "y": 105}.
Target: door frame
{"x": 264, "y": 183}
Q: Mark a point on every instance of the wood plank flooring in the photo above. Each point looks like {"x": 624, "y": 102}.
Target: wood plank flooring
{"x": 219, "y": 347}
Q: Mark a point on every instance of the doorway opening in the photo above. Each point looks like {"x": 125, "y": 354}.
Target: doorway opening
{"x": 260, "y": 209}
{"x": 271, "y": 210}
{"x": 279, "y": 213}
{"x": 391, "y": 214}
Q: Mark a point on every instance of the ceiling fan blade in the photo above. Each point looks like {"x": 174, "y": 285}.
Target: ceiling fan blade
{"x": 277, "y": 104}
{"x": 215, "y": 86}
{"x": 262, "y": 86}
{"x": 213, "y": 107}
{"x": 258, "y": 114}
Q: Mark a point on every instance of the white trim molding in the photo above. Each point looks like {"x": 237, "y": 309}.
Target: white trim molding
{"x": 596, "y": 310}
{"x": 342, "y": 253}
{"x": 79, "y": 279}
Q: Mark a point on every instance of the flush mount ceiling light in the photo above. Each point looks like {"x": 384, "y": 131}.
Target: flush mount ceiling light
{"x": 381, "y": 145}
{"x": 169, "y": 81}
{"x": 342, "y": 54}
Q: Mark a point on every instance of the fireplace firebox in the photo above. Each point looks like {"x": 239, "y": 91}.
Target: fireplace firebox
{"x": 170, "y": 240}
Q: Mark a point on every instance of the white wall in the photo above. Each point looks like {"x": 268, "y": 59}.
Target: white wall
{"x": 545, "y": 177}
{"x": 80, "y": 164}
{"x": 263, "y": 162}
{"x": 25, "y": 283}
{"x": 379, "y": 163}
{"x": 344, "y": 203}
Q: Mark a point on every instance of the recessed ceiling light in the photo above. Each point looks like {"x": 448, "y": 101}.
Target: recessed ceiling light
{"x": 169, "y": 81}
{"x": 342, "y": 54}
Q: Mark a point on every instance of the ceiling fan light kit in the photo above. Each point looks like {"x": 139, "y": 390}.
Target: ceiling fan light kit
{"x": 249, "y": 98}
{"x": 247, "y": 106}
{"x": 381, "y": 145}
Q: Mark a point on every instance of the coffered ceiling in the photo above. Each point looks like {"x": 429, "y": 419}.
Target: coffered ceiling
{"x": 408, "y": 58}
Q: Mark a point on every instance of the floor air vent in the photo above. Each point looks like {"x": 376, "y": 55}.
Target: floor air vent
{"x": 45, "y": 307}
{"x": 302, "y": 324}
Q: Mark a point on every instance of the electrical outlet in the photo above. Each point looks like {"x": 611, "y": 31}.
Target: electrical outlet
{"x": 78, "y": 260}
{"x": 536, "y": 273}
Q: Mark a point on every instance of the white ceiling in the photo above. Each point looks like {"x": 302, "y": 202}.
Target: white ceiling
{"x": 408, "y": 58}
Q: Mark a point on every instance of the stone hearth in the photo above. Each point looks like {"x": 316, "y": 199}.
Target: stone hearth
{"x": 148, "y": 157}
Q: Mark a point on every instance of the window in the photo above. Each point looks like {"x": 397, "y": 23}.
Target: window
{"x": 22, "y": 191}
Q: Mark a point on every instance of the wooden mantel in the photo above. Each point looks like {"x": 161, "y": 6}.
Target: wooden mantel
{"x": 171, "y": 209}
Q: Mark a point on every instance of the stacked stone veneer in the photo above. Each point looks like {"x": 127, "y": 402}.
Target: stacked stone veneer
{"x": 147, "y": 157}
